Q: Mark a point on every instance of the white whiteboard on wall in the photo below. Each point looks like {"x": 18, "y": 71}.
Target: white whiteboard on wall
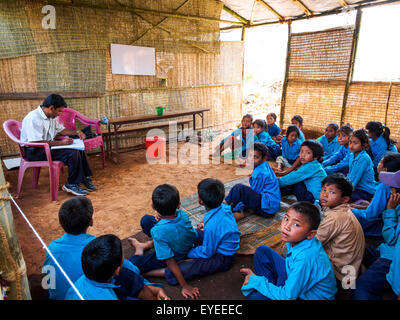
{"x": 133, "y": 60}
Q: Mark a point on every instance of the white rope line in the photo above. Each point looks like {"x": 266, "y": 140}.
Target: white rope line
{"x": 47, "y": 249}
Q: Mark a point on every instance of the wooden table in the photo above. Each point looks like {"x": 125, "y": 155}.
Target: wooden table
{"x": 118, "y": 122}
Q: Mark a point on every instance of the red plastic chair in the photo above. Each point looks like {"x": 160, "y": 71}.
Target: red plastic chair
{"x": 68, "y": 118}
{"x": 13, "y": 131}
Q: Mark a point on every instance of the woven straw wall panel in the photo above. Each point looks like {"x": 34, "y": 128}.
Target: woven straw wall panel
{"x": 318, "y": 102}
{"x": 321, "y": 55}
{"x": 82, "y": 71}
{"x": 393, "y": 113}
{"x": 83, "y": 28}
{"x": 18, "y": 75}
{"x": 366, "y": 102}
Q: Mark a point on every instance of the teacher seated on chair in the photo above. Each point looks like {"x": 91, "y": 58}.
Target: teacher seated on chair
{"x": 41, "y": 125}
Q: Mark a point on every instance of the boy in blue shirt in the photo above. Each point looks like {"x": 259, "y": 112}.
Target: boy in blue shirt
{"x": 290, "y": 148}
{"x": 102, "y": 263}
{"x": 380, "y": 276}
{"x": 172, "y": 236}
{"x": 263, "y": 196}
{"x": 329, "y": 140}
{"x": 218, "y": 237}
{"x": 262, "y": 136}
{"x": 306, "y": 273}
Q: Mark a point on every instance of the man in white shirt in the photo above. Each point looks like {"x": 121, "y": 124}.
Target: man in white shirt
{"x": 41, "y": 125}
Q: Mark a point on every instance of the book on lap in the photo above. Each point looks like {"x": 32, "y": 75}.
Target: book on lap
{"x": 77, "y": 144}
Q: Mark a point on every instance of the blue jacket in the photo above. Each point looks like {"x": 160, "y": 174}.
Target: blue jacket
{"x": 302, "y": 138}
{"x": 329, "y": 147}
{"x": 309, "y": 275}
{"x": 266, "y": 139}
{"x": 290, "y": 152}
{"x": 274, "y": 130}
{"x": 245, "y": 142}
{"x": 221, "y": 234}
{"x": 68, "y": 251}
{"x": 393, "y": 277}
{"x": 311, "y": 173}
{"x": 173, "y": 237}
{"x": 92, "y": 290}
{"x": 378, "y": 204}
{"x": 390, "y": 232}
{"x": 379, "y": 149}
{"x": 339, "y": 161}
{"x": 263, "y": 181}
{"x": 361, "y": 172}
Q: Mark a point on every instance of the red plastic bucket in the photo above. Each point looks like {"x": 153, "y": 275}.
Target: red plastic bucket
{"x": 156, "y": 147}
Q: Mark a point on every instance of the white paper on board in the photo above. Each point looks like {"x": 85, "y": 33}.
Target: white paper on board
{"x": 133, "y": 60}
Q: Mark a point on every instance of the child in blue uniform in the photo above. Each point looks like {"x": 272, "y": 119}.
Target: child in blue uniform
{"x": 262, "y": 136}
{"x": 272, "y": 128}
{"x": 102, "y": 264}
{"x": 263, "y": 196}
{"x": 218, "y": 237}
{"x": 290, "y": 148}
{"x": 298, "y": 121}
{"x": 370, "y": 218}
{"x": 172, "y": 236}
{"x": 339, "y": 161}
{"x": 380, "y": 277}
{"x": 380, "y": 142}
{"x": 305, "y": 182}
{"x": 361, "y": 171}
{"x": 239, "y": 140}
{"x": 329, "y": 140}
{"x": 306, "y": 273}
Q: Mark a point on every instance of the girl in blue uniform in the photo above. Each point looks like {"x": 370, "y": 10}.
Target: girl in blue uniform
{"x": 262, "y": 136}
{"x": 290, "y": 148}
{"x": 361, "y": 171}
{"x": 272, "y": 128}
{"x": 380, "y": 142}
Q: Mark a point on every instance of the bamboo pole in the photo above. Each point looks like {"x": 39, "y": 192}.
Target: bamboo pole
{"x": 303, "y": 7}
{"x": 236, "y": 15}
{"x": 267, "y": 6}
{"x": 349, "y": 77}
{"x": 138, "y": 10}
{"x": 286, "y": 80}
{"x": 12, "y": 263}
{"x": 387, "y": 101}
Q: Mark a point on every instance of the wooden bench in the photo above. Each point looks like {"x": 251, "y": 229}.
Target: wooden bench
{"x": 131, "y": 129}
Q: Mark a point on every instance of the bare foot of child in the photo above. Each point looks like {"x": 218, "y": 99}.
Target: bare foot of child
{"x": 238, "y": 215}
{"x": 139, "y": 246}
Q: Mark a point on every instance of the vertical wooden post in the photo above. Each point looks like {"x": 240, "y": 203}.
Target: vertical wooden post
{"x": 350, "y": 70}
{"x": 286, "y": 79}
{"x": 12, "y": 264}
{"x": 388, "y": 100}
{"x": 242, "y": 39}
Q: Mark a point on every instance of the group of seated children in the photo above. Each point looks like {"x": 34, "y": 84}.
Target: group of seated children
{"x": 325, "y": 230}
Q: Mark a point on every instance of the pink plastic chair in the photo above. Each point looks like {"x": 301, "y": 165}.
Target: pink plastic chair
{"x": 13, "y": 131}
{"x": 68, "y": 118}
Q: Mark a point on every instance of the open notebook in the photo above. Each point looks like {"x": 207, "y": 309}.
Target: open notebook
{"x": 77, "y": 144}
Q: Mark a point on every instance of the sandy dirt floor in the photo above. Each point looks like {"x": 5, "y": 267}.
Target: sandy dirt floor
{"x": 123, "y": 197}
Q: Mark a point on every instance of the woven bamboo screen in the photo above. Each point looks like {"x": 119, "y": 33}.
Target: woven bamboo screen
{"x": 317, "y": 73}
{"x": 393, "y": 113}
{"x": 366, "y": 101}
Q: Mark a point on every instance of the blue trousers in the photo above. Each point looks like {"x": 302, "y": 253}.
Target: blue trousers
{"x": 246, "y": 195}
{"x": 372, "y": 228}
{"x": 299, "y": 190}
{"x": 359, "y": 194}
{"x": 76, "y": 160}
{"x": 130, "y": 284}
{"x": 274, "y": 152}
{"x": 268, "y": 263}
{"x": 372, "y": 284}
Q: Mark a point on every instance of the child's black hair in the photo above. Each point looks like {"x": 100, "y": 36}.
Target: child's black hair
{"x": 309, "y": 211}
{"x": 316, "y": 148}
{"x": 292, "y": 128}
{"x": 391, "y": 161}
{"x": 101, "y": 257}
{"x": 346, "y": 129}
{"x": 260, "y": 123}
{"x": 248, "y": 115}
{"x": 380, "y": 130}
{"x": 333, "y": 125}
{"x": 54, "y": 100}
{"x": 211, "y": 192}
{"x": 165, "y": 199}
{"x": 273, "y": 115}
{"x": 261, "y": 148}
{"x": 298, "y": 118}
{"x": 342, "y": 182}
{"x": 75, "y": 215}
{"x": 362, "y": 135}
